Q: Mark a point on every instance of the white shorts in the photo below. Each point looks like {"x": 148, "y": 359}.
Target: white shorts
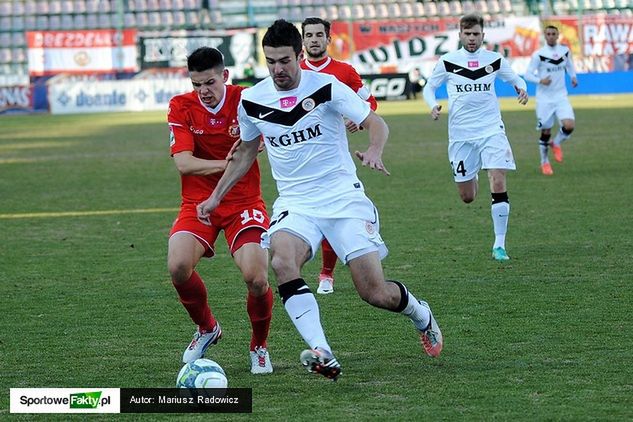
{"x": 490, "y": 152}
{"x": 546, "y": 113}
{"x": 349, "y": 237}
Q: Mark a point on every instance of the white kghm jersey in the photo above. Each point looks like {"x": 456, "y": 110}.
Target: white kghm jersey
{"x": 473, "y": 108}
{"x": 306, "y": 141}
{"x": 552, "y": 62}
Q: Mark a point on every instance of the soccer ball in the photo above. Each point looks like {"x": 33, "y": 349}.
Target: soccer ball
{"x": 202, "y": 373}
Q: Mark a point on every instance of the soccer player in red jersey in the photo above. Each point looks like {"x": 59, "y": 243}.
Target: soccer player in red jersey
{"x": 203, "y": 128}
{"x": 316, "y": 38}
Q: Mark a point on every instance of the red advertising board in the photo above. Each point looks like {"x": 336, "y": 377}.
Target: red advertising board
{"x": 89, "y": 51}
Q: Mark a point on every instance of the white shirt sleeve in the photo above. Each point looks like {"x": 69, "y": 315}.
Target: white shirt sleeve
{"x": 569, "y": 66}
{"x": 248, "y": 130}
{"x": 508, "y": 75}
{"x": 438, "y": 77}
{"x": 348, "y": 103}
{"x": 531, "y": 75}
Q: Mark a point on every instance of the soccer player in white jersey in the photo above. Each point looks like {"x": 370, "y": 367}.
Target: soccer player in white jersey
{"x": 299, "y": 113}
{"x": 316, "y": 38}
{"x": 547, "y": 69}
{"x": 476, "y": 133}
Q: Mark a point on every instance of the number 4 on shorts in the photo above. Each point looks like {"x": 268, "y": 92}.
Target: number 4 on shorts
{"x": 459, "y": 169}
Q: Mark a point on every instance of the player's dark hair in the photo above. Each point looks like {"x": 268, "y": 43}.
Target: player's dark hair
{"x": 283, "y": 34}
{"x": 315, "y": 21}
{"x": 551, "y": 27}
{"x": 468, "y": 21}
{"x": 205, "y": 58}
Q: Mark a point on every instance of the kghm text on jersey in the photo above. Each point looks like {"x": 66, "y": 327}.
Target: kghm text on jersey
{"x": 473, "y": 87}
{"x": 295, "y": 137}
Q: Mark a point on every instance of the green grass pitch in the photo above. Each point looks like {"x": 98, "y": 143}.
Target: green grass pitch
{"x": 86, "y": 203}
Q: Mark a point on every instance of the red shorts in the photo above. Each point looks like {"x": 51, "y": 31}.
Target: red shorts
{"x": 241, "y": 224}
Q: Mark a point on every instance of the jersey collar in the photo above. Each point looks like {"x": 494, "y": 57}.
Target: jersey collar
{"x": 318, "y": 65}
{"x": 217, "y": 108}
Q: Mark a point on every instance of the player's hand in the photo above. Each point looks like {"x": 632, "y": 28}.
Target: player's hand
{"x": 546, "y": 81}
{"x": 523, "y": 96}
{"x": 435, "y": 113}
{"x": 574, "y": 82}
{"x": 204, "y": 210}
{"x": 373, "y": 160}
{"x": 229, "y": 156}
{"x": 351, "y": 126}
{"x": 262, "y": 145}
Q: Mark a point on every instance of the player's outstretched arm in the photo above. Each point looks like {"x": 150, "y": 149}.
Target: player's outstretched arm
{"x": 378, "y": 134}
{"x": 187, "y": 164}
{"x": 242, "y": 160}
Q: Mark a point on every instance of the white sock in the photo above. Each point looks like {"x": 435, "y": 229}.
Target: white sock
{"x": 418, "y": 313}
{"x": 500, "y": 213}
{"x": 543, "y": 148}
{"x": 303, "y": 311}
{"x": 561, "y": 137}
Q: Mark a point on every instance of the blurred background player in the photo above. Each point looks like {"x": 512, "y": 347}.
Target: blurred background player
{"x": 309, "y": 157}
{"x": 316, "y": 39}
{"x": 476, "y": 133}
{"x": 204, "y": 127}
{"x": 547, "y": 70}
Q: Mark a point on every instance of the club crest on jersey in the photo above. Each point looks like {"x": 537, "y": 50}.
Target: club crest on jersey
{"x": 369, "y": 227}
{"x": 216, "y": 123}
{"x": 288, "y": 102}
{"x": 473, "y": 63}
{"x": 308, "y": 104}
{"x": 489, "y": 69}
{"x": 234, "y": 131}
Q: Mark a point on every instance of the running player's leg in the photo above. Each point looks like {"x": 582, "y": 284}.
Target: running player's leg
{"x": 465, "y": 163}
{"x": 326, "y": 275}
{"x": 252, "y": 260}
{"x": 243, "y": 228}
{"x": 359, "y": 242}
{"x": 189, "y": 241}
{"x": 500, "y": 212}
{"x": 565, "y": 113}
{"x": 545, "y": 121}
{"x": 497, "y": 158}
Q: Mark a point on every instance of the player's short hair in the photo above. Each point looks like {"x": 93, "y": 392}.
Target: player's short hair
{"x": 551, "y": 27}
{"x": 315, "y": 21}
{"x": 205, "y": 58}
{"x": 283, "y": 34}
{"x": 470, "y": 20}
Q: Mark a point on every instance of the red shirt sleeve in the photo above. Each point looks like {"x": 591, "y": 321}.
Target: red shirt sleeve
{"x": 180, "y": 137}
{"x": 354, "y": 81}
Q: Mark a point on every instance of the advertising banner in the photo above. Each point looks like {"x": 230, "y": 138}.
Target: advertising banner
{"x": 400, "y": 45}
{"x": 607, "y": 41}
{"x": 15, "y": 98}
{"x": 113, "y": 96}
{"x": 89, "y": 51}
{"x": 171, "y": 50}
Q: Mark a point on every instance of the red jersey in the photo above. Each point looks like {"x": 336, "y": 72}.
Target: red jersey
{"x": 209, "y": 134}
{"x": 344, "y": 73}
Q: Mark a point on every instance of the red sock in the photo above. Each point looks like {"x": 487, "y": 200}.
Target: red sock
{"x": 329, "y": 259}
{"x": 260, "y": 312}
{"x": 193, "y": 296}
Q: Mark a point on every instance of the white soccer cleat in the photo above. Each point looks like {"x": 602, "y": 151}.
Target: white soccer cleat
{"x": 321, "y": 361}
{"x": 326, "y": 285}
{"x": 260, "y": 361}
{"x": 200, "y": 343}
{"x": 431, "y": 337}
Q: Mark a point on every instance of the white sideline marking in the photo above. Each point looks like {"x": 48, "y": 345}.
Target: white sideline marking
{"x": 16, "y": 216}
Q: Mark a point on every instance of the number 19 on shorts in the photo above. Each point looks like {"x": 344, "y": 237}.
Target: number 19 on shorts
{"x": 248, "y": 215}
